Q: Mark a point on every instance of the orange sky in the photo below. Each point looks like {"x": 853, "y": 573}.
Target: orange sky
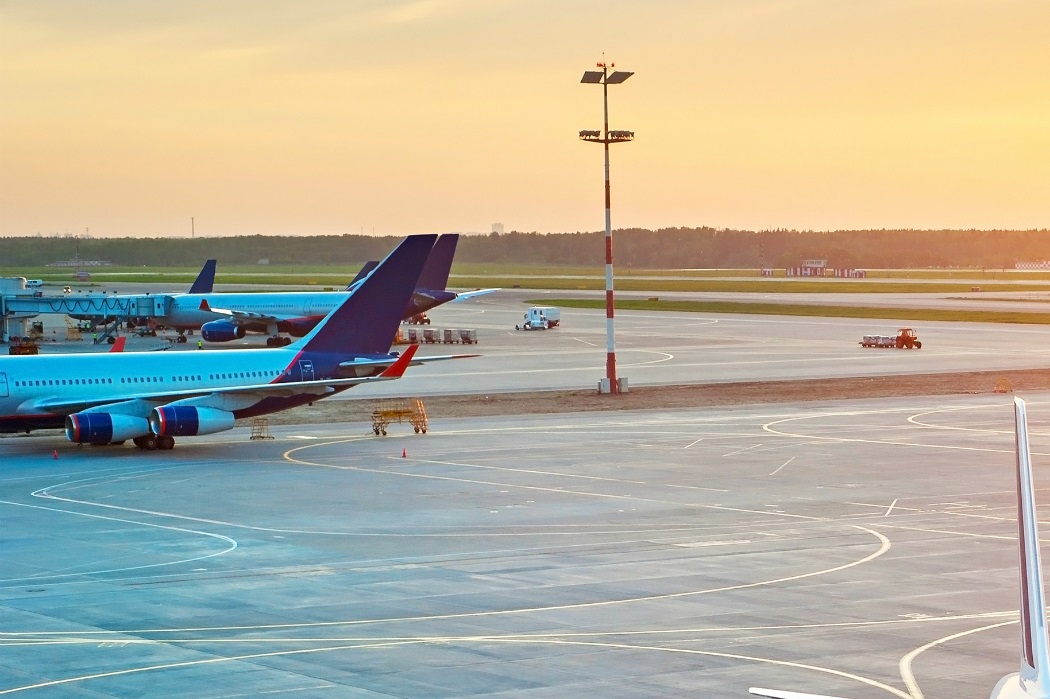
{"x": 343, "y": 116}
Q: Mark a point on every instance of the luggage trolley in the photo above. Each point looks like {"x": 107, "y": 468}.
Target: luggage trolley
{"x": 399, "y": 410}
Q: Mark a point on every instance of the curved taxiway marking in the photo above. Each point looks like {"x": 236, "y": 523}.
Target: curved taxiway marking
{"x": 81, "y": 637}
{"x": 232, "y": 543}
{"x": 884, "y": 546}
{"x": 518, "y": 486}
{"x": 477, "y": 640}
{"x": 770, "y": 427}
{"x": 906, "y": 661}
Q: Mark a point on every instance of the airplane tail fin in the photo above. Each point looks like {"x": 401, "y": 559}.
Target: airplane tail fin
{"x": 1034, "y": 678}
{"x": 205, "y": 280}
{"x": 439, "y": 264}
{"x": 368, "y": 267}
{"x": 367, "y": 321}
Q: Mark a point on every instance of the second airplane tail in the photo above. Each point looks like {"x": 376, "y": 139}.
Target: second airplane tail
{"x": 367, "y": 322}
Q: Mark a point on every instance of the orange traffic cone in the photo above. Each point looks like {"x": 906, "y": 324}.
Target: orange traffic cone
{"x": 54, "y": 454}
{"x": 404, "y": 454}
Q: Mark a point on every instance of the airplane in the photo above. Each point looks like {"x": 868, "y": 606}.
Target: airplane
{"x": 151, "y": 398}
{"x": 229, "y": 316}
{"x": 1033, "y": 679}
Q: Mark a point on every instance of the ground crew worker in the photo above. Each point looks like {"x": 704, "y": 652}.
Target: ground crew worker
{"x": 200, "y": 345}
{"x": 94, "y": 338}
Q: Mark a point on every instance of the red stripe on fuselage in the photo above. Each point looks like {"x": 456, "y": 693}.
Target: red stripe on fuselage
{"x": 288, "y": 368}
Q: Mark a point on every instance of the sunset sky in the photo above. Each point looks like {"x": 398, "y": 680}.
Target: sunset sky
{"x": 408, "y": 116}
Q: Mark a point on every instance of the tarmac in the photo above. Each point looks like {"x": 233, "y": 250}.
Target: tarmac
{"x": 858, "y": 548}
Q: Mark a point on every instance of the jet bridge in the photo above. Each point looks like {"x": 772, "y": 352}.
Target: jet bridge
{"x": 25, "y": 304}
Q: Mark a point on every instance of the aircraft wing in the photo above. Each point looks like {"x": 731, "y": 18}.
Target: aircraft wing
{"x": 245, "y": 317}
{"x": 394, "y": 369}
{"x": 467, "y": 295}
{"x": 778, "y": 694}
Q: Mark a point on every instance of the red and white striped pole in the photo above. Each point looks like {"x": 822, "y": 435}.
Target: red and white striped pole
{"x": 606, "y": 137}
{"x": 610, "y": 306}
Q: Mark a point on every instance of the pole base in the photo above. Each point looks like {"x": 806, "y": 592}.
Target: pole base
{"x": 605, "y": 386}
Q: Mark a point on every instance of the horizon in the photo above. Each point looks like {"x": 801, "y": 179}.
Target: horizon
{"x": 415, "y": 116}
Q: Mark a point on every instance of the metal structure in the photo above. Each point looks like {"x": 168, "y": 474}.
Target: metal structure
{"x": 399, "y": 410}
{"x": 23, "y": 304}
{"x": 604, "y": 78}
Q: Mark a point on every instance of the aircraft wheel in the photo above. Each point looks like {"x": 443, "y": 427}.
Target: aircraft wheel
{"x": 149, "y": 442}
{"x": 165, "y": 442}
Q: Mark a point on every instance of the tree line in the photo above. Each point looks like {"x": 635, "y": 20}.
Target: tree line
{"x": 667, "y": 248}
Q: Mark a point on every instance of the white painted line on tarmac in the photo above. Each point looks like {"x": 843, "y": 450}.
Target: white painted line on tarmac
{"x": 741, "y": 451}
{"x": 782, "y": 466}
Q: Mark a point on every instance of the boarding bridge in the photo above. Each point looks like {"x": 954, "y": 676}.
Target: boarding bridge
{"x": 15, "y": 307}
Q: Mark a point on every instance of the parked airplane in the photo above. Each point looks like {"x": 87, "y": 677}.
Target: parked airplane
{"x": 1033, "y": 680}
{"x": 227, "y": 317}
{"x": 151, "y": 398}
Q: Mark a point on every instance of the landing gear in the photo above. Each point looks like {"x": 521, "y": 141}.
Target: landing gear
{"x": 149, "y": 442}
{"x": 278, "y": 341}
{"x": 152, "y": 442}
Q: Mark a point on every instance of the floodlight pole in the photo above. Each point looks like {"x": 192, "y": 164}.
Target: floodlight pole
{"x": 605, "y": 137}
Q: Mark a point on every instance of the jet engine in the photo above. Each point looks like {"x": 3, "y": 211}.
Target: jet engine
{"x": 104, "y": 428}
{"x": 221, "y": 331}
{"x": 187, "y": 420}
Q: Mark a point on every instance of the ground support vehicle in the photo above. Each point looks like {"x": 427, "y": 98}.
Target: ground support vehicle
{"x": 399, "y": 410}
{"x": 540, "y": 318}
{"x": 22, "y": 345}
{"x": 904, "y": 339}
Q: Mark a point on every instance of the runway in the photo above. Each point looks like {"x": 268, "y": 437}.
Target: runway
{"x": 866, "y": 549}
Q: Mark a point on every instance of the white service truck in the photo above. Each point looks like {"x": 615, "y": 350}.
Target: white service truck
{"x": 540, "y": 318}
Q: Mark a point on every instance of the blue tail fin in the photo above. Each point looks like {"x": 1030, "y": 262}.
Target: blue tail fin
{"x": 367, "y": 321}
{"x": 439, "y": 264}
{"x": 205, "y": 280}
{"x": 369, "y": 266}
